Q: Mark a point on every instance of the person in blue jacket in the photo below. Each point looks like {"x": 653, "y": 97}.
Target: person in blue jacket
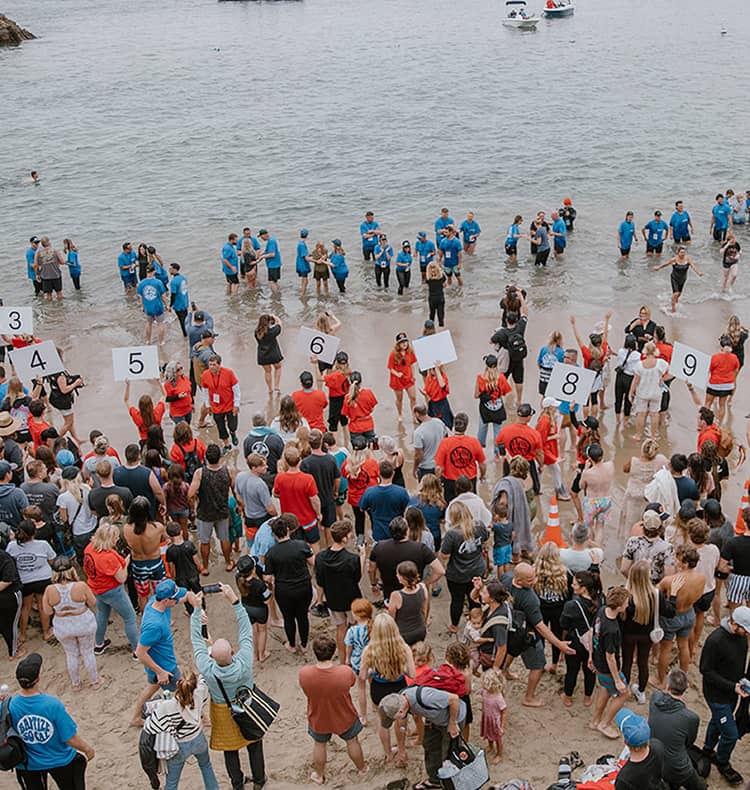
{"x": 426, "y": 251}
{"x": 339, "y": 269}
{"x": 71, "y": 259}
{"x": 470, "y": 231}
{"x": 655, "y": 233}
{"x": 721, "y": 219}
{"x": 368, "y": 230}
{"x": 680, "y": 225}
{"x": 272, "y": 256}
{"x": 30, "y": 270}
{"x": 383, "y": 253}
{"x": 127, "y": 264}
{"x": 451, "y": 253}
{"x": 403, "y": 267}
{"x": 441, "y": 225}
{"x": 302, "y": 263}
{"x": 626, "y": 237}
{"x": 230, "y": 264}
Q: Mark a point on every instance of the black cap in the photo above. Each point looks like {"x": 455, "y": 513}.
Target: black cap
{"x": 359, "y": 442}
{"x": 27, "y": 670}
{"x": 490, "y": 360}
{"x": 34, "y": 240}
{"x": 342, "y": 357}
{"x": 199, "y": 316}
{"x": 525, "y": 410}
{"x": 711, "y": 508}
{"x": 245, "y": 565}
{"x": 306, "y": 378}
{"x": 592, "y": 423}
{"x": 70, "y": 472}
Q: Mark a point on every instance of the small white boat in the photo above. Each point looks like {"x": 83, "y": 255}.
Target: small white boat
{"x": 518, "y": 17}
{"x": 557, "y": 8}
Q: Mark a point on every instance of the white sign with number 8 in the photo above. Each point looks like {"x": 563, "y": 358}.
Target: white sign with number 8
{"x": 16, "y": 321}
{"x": 313, "y": 343}
{"x": 690, "y": 365}
{"x": 36, "y": 361}
{"x": 570, "y": 383}
{"x": 135, "y": 363}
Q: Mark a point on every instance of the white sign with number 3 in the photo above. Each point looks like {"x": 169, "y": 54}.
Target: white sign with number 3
{"x": 690, "y": 365}
{"x": 16, "y": 321}
{"x": 316, "y": 344}
{"x": 570, "y": 383}
{"x": 135, "y": 363}
{"x": 36, "y": 360}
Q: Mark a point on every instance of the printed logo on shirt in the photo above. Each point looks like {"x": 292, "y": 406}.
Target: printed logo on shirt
{"x": 461, "y": 457}
{"x": 470, "y": 546}
{"x": 35, "y": 729}
{"x": 150, "y": 293}
{"x": 519, "y": 446}
{"x": 261, "y": 448}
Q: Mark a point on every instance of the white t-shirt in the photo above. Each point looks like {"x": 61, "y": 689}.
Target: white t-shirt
{"x": 85, "y": 520}
{"x": 708, "y": 559}
{"x": 32, "y": 559}
{"x": 649, "y": 385}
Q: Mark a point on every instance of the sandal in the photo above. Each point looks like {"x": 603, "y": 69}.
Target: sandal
{"x": 426, "y": 784}
{"x": 575, "y": 760}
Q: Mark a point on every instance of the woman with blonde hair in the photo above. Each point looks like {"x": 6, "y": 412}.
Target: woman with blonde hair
{"x": 358, "y": 406}
{"x": 489, "y": 389}
{"x": 548, "y": 357}
{"x": 288, "y": 420}
{"x": 463, "y": 549}
{"x": 640, "y": 470}
{"x": 738, "y": 334}
{"x": 553, "y": 588}
{"x": 321, "y": 266}
{"x": 16, "y": 403}
{"x": 435, "y": 279}
{"x": 646, "y": 389}
{"x": 595, "y": 356}
{"x": 391, "y": 452}
{"x": 73, "y": 509}
{"x": 361, "y": 471}
{"x": 73, "y": 605}
{"x": 547, "y": 427}
{"x": 387, "y": 661}
{"x": 328, "y": 324}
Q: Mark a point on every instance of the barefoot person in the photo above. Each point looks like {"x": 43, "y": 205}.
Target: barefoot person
{"x": 401, "y": 369}
{"x": 596, "y": 483}
{"x": 144, "y": 538}
{"x": 680, "y": 264}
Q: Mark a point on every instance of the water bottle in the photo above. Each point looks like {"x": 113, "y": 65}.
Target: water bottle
{"x": 563, "y": 771}
{"x": 4, "y": 690}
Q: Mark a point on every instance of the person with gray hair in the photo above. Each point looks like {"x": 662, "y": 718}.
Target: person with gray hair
{"x": 582, "y": 554}
{"x": 676, "y": 726}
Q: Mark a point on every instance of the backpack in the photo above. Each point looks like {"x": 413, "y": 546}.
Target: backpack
{"x": 447, "y": 678}
{"x": 519, "y": 635}
{"x": 726, "y": 443}
{"x": 191, "y": 461}
{"x": 517, "y": 346}
{"x": 12, "y": 747}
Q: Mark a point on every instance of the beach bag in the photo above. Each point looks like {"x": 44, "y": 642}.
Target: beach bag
{"x": 657, "y": 632}
{"x": 253, "y": 711}
{"x": 12, "y": 747}
{"x": 519, "y": 635}
{"x": 491, "y": 407}
{"x": 463, "y": 769}
{"x": 587, "y": 637}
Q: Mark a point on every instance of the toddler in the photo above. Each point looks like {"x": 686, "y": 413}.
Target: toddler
{"x": 494, "y": 716}
{"x": 472, "y": 636}
{"x": 356, "y": 640}
{"x": 503, "y": 535}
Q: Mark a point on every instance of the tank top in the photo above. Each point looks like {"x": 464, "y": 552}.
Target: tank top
{"x": 49, "y": 265}
{"x": 66, "y": 605}
{"x": 409, "y": 617}
{"x": 213, "y": 494}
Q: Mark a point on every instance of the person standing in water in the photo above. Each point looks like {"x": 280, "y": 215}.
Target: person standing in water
{"x": 47, "y": 262}
{"x": 302, "y": 264}
{"x": 680, "y": 225}
{"x": 451, "y": 253}
{"x": 471, "y": 232}
{"x": 654, "y": 234}
{"x": 272, "y": 256}
{"x": 403, "y": 267}
{"x": 680, "y": 265}
{"x": 730, "y": 252}
{"x": 626, "y": 235}
{"x": 230, "y": 264}
{"x": 71, "y": 260}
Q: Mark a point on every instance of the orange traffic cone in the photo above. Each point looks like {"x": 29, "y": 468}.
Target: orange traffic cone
{"x": 739, "y": 525}
{"x": 553, "y": 534}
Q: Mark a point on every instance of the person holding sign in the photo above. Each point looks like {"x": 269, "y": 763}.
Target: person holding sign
{"x": 646, "y": 389}
{"x": 151, "y": 290}
{"x": 222, "y": 395}
{"x": 594, "y": 356}
{"x": 436, "y": 389}
{"x": 680, "y": 265}
{"x": 64, "y": 387}
{"x": 400, "y": 366}
{"x": 145, "y": 415}
{"x": 722, "y": 376}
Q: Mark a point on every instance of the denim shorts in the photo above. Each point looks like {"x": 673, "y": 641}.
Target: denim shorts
{"x": 680, "y": 625}
{"x": 352, "y": 732}
{"x": 502, "y": 555}
{"x": 533, "y": 656}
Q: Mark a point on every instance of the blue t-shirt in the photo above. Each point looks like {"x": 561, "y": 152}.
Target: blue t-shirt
{"x": 469, "y": 229}
{"x": 301, "y": 265}
{"x": 657, "y": 232}
{"x": 626, "y": 231}
{"x": 384, "y": 503}
{"x": 156, "y": 635}
{"x": 339, "y": 269}
{"x": 229, "y": 256}
{"x": 433, "y": 515}
{"x": 383, "y": 255}
{"x": 73, "y": 265}
{"x": 370, "y": 242}
{"x": 45, "y": 727}
{"x": 513, "y": 232}
{"x": 263, "y": 541}
{"x": 541, "y": 239}
{"x": 440, "y": 224}
{"x": 679, "y": 224}
{"x": 558, "y": 226}
{"x": 30, "y": 253}
{"x": 272, "y": 250}
{"x": 124, "y": 261}
{"x": 161, "y": 273}
{"x": 426, "y": 252}
{"x": 451, "y": 248}
{"x": 403, "y": 261}
{"x": 357, "y": 637}
{"x": 549, "y": 356}
{"x": 254, "y": 243}
{"x": 501, "y": 534}
{"x": 179, "y": 287}
{"x": 151, "y": 291}
{"x": 721, "y": 216}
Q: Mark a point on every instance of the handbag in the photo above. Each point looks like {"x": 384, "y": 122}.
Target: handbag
{"x": 253, "y": 710}
{"x": 463, "y": 769}
{"x": 657, "y": 632}
{"x": 587, "y": 637}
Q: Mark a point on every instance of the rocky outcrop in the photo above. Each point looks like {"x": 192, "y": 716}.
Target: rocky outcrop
{"x": 11, "y": 33}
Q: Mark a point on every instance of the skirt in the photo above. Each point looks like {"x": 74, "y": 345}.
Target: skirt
{"x": 225, "y": 734}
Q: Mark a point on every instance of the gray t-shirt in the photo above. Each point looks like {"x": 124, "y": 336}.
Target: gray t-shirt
{"x": 580, "y": 559}
{"x": 254, "y": 493}
{"x": 465, "y": 557}
{"x": 427, "y": 437}
{"x": 434, "y": 705}
{"x": 44, "y": 496}
{"x": 32, "y": 559}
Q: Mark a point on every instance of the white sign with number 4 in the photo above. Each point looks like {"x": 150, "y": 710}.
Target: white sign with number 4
{"x": 570, "y": 383}
{"x": 16, "y": 321}
{"x": 690, "y": 365}
{"x": 135, "y": 363}
{"x": 36, "y": 361}
{"x": 313, "y": 343}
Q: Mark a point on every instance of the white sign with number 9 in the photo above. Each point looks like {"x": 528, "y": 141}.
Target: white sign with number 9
{"x": 36, "y": 361}
{"x": 570, "y": 383}
{"x": 311, "y": 343}
{"x": 16, "y": 321}
{"x": 690, "y": 365}
{"x": 135, "y": 363}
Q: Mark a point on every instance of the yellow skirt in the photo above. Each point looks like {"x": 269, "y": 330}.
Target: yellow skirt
{"x": 225, "y": 734}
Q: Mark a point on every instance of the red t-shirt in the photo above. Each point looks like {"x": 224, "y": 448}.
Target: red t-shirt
{"x": 182, "y": 406}
{"x": 294, "y": 490}
{"x": 136, "y": 417}
{"x": 665, "y": 351}
{"x": 520, "y": 439}
{"x": 100, "y": 568}
{"x": 360, "y": 411}
{"x": 337, "y": 383}
{"x": 369, "y": 475}
{"x": 177, "y": 453}
{"x": 434, "y": 388}
{"x": 550, "y": 447}
{"x": 501, "y": 388}
{"x": 587, "y": 356}
{"x": 723, "y": 368}
{"x": 219, "y": 386}
{"x": 459, "y": 455}
{"x": 405, "y": 368}
{"x": 708, "y": 434}
{"x": 36, "y": 429}
{"x": 311, "y": 404}
{"x": 330, "y": 709}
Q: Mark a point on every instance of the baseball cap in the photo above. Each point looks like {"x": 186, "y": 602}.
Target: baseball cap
{"x": 101, "y": 443}
{"x": 199, "y": 315}
{"x": 634, "y": 728}
{"x": 336, "y": 242}
{"x": 711, "y": 508}
{"x": 27, "y": 670}
{"x": 548, "y": 402}
{"x": 245, "y": 565}
{"x": 651, "y": 522}
{"x": 169, "y": 590}
{"x": 525, "y": 410}
{"x": 34, "y": 240}
{"x": 359, "y": 442}
{"x": 5, "y": 468}
{"x": 741, "y": 616}
{"x": 342, "y": 357}
{"x": 262, "y": 232}
{"x": 490, "y": 360}
{"x": 65, "y": 458}
{"x": 428, "y": 324}
{"x": 657, "y": 213}
{"x": 70, "y": 472}
{"x": 389, "y": 707}
{"x": 304, "y": 233}
{"x": 421, "y": 235}
{"x": 306, "y": 378}
{"x": 592, "y": 423}
{"x": 402, "y": 337}
{"x": 658, "y": 509}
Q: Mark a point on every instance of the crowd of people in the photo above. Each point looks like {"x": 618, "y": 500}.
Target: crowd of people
{"x": 327, "y": 516}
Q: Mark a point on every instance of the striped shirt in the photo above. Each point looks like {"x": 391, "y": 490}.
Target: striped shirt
{"x": 183, "y": 723}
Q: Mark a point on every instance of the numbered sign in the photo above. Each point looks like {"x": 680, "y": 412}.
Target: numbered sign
{"x": 690, "y": 365}
{"x": 434, "y": 348}
{"x": 135, "y": 363}
{"x": 314, "y": 343}
{"x": 36, "y": 360}
{"x": 570, "y": 383}
{"x": 16, "y": 321}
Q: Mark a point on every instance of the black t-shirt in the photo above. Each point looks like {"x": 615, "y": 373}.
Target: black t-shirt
{"x": 254, "y": 592}
{"x": 641, "y": 332}
{"x": 181, "y": 556}
{"x": 435, "y": 288}
{"x": 8, "y": 573}
{"x": 138, "y": 481}
{"x": 498, "y": 632}
{"x": 526, "y": 601}
{"x": 737, "y": 551}
{"x": 338, "y": 573}
{"x": 267, "y": 443}
{"x": 98, "y": 498}
{"x": 387, "y": 554}
{"x": 325, "y": 470}
{"x": 646, "y": 774}
{"x": 287, "y": 563}
{"x": 686, "y": 489}
{"x": 607, "y": 639}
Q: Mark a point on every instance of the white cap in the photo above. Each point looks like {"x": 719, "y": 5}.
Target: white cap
{"x": 741, "y": 616}
{"x": 547, "y": 402}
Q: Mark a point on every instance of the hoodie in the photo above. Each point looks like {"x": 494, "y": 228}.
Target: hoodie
{"x": 12, "y": 502}
{"x": 266, "y": 442}
{"x": 723, "y": 662}
{"x": 676, "y": 727}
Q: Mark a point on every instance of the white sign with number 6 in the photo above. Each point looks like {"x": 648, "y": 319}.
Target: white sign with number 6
{"x": 690, "y": 365}
{"x": 16, "y": 321}
{"x": 36, "y": 361}
{"x": 313, "y": 343}
{"x": 135, "y": 363}
{"x": 570, "y": 383}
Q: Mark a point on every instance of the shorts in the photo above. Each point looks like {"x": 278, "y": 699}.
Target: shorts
{"x": 449, "y": 271}
{"x": 257, "y": 614}
{"x": 174, "y": 676}
{"x": 720, "y": 234}
{"x": 328, "y": 513}
{"x": 65, "y": 412}
{"x": 52, "y": 285}
{"x": 321, "y": 274}
{"x": 502, "y": 555}
{"x": 309, "y": 534}
{"x": 35, "y": 588}
{"x": 252, "y": 525}
{"x": 466, "y": 699}
{"x": 624, "y": 251}
{"x": 533, "y": 656}
{"x": 158, "y": 319}
{"x": 643, "y": 405}
{"x": 543, "y": 384}
{"x": 596, "y": 510}
{"x": 342, "y": 618}
{"x": 351, "y": 733}
{"x": 274, "y": 275}
{"x": 129, "y": 280}
{"x": 232, "y": 279}
{"x": 575, "y": 486}
{"x": 607, "y": 682}
{"x": 511, "y": 249}
{"x": 738, "y": 588}
{"x": 703, "y": 604}
{"x": 382, "y": 688}
{"x": 681, "y": 239}
{"x": 681, "y": 625}
{"x": 718, "y": 393}
{"x": 560, "y": 248}
{"x": 515, "y": 369}
{"x": 146, "y": 575}
{"x": 205, "y": 528}
{"x": 654, "y": 248}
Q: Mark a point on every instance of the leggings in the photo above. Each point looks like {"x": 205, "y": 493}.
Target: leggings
{"x": 437, "y": 308}
{"x": 224, "y": 420}
{"x": 10, "y": 614}
{"x": 67, "y": 777}
{"x": 459, "y": 591}
{"x": 382, "y": 273}
{"x": 572, "y": 666}
{"x": 342, "y": 285}
{"x": 551, "y": 615}
{"x": 404, "y": 278}
{"x": 76, "y": 634}
{"x": 640, "y": 646}
{"x": 359, "y": 520}
{"x": 293, "y": 604}
{"x": 622, "y": 388}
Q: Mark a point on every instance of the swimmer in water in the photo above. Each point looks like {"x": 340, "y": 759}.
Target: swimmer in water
{"x": 680, "y": 265}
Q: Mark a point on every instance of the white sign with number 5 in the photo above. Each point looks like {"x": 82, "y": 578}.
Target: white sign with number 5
{"x": 16, "y": 321}
{"x": 570, "y": 383}
{"x": 135, "y": 363}
{"x": 36, "y": 361}
{"x": 690, "y": 365}
{"x": 316, "y": 344}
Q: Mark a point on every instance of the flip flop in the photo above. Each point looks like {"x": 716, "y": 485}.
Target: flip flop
{"x": 427, "y": 784}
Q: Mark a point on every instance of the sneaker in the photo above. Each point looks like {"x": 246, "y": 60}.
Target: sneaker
{"x": 226, "y": 449}
{"x": 732, "y": 776}
{"x": 437, "y": 590}
{"x": 100, "y": 650}
{"x": 235, "y": 440}
{"x": 320, "y": 610}
{"x": 136, "y": 659}
{"x": 638, "y": 694}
